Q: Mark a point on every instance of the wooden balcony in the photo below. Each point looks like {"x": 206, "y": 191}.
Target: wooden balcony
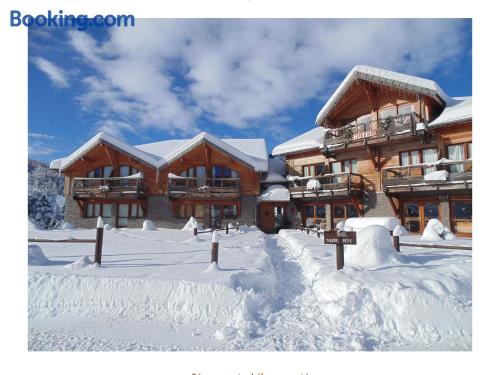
{"x": 192, "y": 187}
{"x": 111, "y": 187}
{"x": 451, "y": 175}
{"x": 382, "y": 130}
{"x": 327, "y": 185}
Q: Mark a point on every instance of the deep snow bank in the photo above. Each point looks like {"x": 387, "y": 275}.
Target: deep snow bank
{"x": 191, "y": 224}
{"x": 172, "y": 301}
{"x": 422, "y": 303}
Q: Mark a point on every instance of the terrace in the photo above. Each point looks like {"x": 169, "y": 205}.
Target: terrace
{"x": 193, "y": 187}
{"x": 345, "y": 183}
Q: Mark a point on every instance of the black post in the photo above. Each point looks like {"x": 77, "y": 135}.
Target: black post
{"x": 395, "y": 242}
{"x": 318, "y": 233}
{"x": 227, "y": 229}
{"x": 195, "y": 232}
{"x": 215, "y": 252}
{"x": 215, "y": 248}
{"x": 237, "y": 226}
{"x": 340, "y": 256}
{"x": 98, "y": 241}
{"x": 307, "y": 230}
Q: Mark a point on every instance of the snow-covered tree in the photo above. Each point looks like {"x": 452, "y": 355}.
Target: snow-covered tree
{"x": 45, "y": 196}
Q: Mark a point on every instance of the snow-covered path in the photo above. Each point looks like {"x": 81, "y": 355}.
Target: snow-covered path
{"x": 273, "y": 292}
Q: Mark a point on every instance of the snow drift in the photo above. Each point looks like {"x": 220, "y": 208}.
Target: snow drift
{"x": 436, "y": 231}
{"x": 373, "y": 249}
{"x": 148, "y": 225}
{"x": 191, "y": 224}
{"x": 36, "y": 256}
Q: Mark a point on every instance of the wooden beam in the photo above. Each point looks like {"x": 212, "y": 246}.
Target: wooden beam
{"x": 374, "y": 156}
{"x": 371, "y": 94}
{"x": 395, "y": 207}
{"x": 358, "y": 204}
{"x": 81, "y": 206}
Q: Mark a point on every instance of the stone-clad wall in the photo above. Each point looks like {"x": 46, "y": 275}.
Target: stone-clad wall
{"x": 159, "y": 210}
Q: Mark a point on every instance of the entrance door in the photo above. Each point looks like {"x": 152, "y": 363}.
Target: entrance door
{"x": 416, "y": 214}
{"x": 272, "y": 217}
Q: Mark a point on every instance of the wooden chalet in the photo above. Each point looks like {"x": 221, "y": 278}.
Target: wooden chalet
{"x": 216, "y": 181}
{"x": 388, "y": 144}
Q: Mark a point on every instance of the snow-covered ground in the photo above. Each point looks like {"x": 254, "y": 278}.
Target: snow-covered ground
{"x": 156, "y": 290}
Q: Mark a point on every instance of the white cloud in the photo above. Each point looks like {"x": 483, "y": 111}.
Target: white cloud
{"x": 170, "y": 74}
{"x": 57, "y": 76}
{"x": 41, "y": 136}
{"x": 39, "y": 149}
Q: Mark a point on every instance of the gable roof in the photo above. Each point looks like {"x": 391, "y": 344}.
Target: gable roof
{"x": 252, "y": 152}
{"x": 385, "y": 77}
{"x": 104, "y": 138}
{"x": 310, "y": 140}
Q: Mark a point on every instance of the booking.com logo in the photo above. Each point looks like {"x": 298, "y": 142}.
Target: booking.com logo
{"x": 81, "y": 22}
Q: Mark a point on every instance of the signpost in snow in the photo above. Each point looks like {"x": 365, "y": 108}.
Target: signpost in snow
{"x": 339, "y": 239}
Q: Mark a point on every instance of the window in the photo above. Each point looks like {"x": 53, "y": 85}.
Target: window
{"x": 461, "y": 216}
{"x": 397, "y": 110}
{"x": 92, "y": 210}
{"x": 312, "y": 170}
{"x": 123, "y": 215}
{"x": 100, "y": 172}
{"x": 343, "y": 211}
{"x": 219, "y": 212}
{"x": 429, "y": 155}
{"x": 107, "y": 213}
{"x": 417, "y": 214}
{"x": 460, "y": 151}
{"x": 126, "y": 170}
{"x": 410, "y": 157}
{"x": 188, "y": 210}
{"x": 350, "y": 165}
{"x": 219, "y": 173}
{"x": 314, "y": 214}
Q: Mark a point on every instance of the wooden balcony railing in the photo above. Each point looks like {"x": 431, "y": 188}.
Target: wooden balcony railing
{"x": 328, "y": 184}
{"x": 110, "y": 187}
{"x": 446, "y": 173}
{"x": 206, "y": 187}
{"x": 383, "y": 128}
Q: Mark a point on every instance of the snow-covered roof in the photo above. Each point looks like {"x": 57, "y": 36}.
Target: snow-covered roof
{"x": 457, "y": 109}
{"x": 385, "y": 77}
{"x": 275, "y": 193}
{"x": 252, "y": 152}
{"x": 112, "y": 141}
{"x": 310, "y": 140}
{"x": 276, "y": 171}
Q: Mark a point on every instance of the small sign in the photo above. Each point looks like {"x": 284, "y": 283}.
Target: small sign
{"x": 333, "y": 237}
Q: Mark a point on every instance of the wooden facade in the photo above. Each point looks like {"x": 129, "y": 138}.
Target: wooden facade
{"x": 378, "y": 152}
{"x": 99, "y": 184}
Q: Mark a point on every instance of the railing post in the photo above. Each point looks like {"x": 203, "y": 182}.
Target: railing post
{"x": 395, "y": 242}
{"x": 307, "y": 230}
{"x": 195, "y": 232}
{"x": 237, "y": 226}
{"x": 215, "y": 248}
{"x": 340, "y": 256}
{"x": 227, "y": 229}
{"x": 348, "y": 184}
{"x": 99, "y": 240}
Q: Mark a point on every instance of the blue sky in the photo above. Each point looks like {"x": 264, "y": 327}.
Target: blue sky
{"x": 266, "y": 78}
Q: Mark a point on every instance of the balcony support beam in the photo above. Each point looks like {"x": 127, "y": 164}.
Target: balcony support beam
{"x": 374, "y": 156}
{"x": 394, "y": 204}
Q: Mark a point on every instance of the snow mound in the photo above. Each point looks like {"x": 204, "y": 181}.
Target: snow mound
{"x": 226, "y": 333}
{"x": 313, "y": 184}
{"x": 213, "y": 267}
{"x": 108, "y": 227}
{"x": 32, "y": 225}
{"x": 36, "y": 257}
{"x": 68, "y": 226}
{"x": 359, "y": 223}
{"x": 399, "y": 230}
{"x": 148, "y": 225}
{"x": 373, "y": 249}
{"x": 191, "y": 224}
{"x": 437, "y": 176}
{"x": 340, "y": 225}
{"x": 436, "y": 231}
{"x": 83, "y": 262}
{"x": 231, "y": 226}
{"x": 276, "y": 193}
{"x": 194, "y": 239}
